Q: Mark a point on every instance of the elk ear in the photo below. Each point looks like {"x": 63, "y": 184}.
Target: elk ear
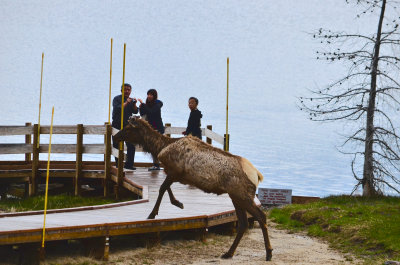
{"x": 133, "y": 119}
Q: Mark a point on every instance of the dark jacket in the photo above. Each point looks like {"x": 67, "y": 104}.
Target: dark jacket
{"x": 194, "y": 123}
{"x": 116, "y": 113}
{"x": 153, "y": 115}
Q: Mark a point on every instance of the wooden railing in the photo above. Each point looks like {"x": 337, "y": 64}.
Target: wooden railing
{"x": 169, "y": 130}
{"x": 31, "y": 149}
{"x": 207, "y": 132}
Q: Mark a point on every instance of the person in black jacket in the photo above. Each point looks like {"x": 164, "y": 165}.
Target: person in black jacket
{"x": 194, "y": 122}
{"x": 151, "y": 111}
{"x": 129, "y": 109}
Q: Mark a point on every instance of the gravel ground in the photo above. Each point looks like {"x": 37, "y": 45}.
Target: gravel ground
{"x": 288, "y": 248}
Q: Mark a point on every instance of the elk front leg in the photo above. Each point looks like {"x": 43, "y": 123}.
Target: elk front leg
{"x": 173, "y": 200}
{"x": 165, "y": 186}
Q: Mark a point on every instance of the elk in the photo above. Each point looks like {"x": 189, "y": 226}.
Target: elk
{"x": 189, "y": 160}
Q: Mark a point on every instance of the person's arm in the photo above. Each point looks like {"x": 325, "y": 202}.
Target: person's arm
{"x": 194, "y": 121}
{"x": 150, "y": 111}
{"x": 131, "y": 103}
{"x": 117, "y": 103}
{"x": 189, "y": 128}
{"x": 135, "y": 108}
{"x": 143, "y": 109}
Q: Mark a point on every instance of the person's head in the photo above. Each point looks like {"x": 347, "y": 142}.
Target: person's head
{"x": 152, "y": 95}
{"x": 193, "y": 102}
{"x": 126, "y": 89}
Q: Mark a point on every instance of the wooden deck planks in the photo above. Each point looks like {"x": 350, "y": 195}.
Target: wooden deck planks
{"x": 198, "y": 206}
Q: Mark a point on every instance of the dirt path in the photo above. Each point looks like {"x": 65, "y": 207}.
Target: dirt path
{"x": 288, "y": 249}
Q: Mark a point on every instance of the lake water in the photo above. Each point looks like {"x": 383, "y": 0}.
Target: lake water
{"x": 180, "y": 48}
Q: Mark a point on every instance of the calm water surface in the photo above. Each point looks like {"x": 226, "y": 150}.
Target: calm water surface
{"x": 180, "y": 48}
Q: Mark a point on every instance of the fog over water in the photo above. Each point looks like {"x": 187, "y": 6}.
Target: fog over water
{"x": 180, "y": 48}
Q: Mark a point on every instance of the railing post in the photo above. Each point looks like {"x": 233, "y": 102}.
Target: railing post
{"x": 28, "y": 140}
{"x": 226, "y": 142}
{"x": 107, "y": 160}
{"x": 35, "y": 162}
{"x": 168, "y": 125}
{"x": 105, "y": 139}
{"x": 209, "y": 140}
{"x": 28, "y": 159}
{"x": 78, "y": 166}
{"x": 120, "y": 170}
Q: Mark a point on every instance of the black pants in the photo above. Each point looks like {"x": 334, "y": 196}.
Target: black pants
{"x": 130, "y": 154}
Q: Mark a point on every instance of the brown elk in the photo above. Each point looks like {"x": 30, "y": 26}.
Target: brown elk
{"x": 189, "y": 160}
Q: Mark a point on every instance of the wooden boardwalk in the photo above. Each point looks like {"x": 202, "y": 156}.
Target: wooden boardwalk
{"x": 201, "y": 210}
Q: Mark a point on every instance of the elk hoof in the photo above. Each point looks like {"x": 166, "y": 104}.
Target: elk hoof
{"x": 226, "y": 256}
{"x": 151, "y": 216}
{"x": 269, "y": 254}
{"x": 178, "y": 204}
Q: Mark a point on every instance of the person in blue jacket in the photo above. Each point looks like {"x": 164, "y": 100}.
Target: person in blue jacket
{"x": 129, "y": 109}
{"x": 151, "y": 111}
{"x": 194, "y": 122}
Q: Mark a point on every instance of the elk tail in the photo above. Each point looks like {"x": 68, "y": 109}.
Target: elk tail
{"x": 251, "y": 171}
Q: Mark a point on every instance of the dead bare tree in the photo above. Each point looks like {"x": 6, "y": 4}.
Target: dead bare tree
{"x": 367, "y": 96}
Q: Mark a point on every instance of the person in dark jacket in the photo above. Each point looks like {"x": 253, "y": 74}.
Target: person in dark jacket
{"x": 129, "y": 109}
{"x": 194, "y": 122}
{"x": 151, "y": 111}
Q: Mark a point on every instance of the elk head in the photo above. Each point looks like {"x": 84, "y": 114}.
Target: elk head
{"x": 131, "y": 133}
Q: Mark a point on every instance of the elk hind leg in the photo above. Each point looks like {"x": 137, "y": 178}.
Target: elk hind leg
{"x": 260, "y": 216}
{"x": 242, "y": 227}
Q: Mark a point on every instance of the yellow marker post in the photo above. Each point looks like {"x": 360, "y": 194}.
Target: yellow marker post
{"x": 109, "y": 94}
{"x": 40, "y": 101}
{"x": 227, "y": 108}
{"x": 121, "y": 143}
{"x": 121, "y": 147}
{"x": 47, "y": 179}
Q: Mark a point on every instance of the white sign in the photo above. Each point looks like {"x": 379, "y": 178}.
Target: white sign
{"x": 274, "y": 196}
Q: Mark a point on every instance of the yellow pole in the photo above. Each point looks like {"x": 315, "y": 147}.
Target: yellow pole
{"x": 109, "y": 94}
{"x": 227, "y": 98}
{"x": 40, "y": 101}
{"x": 47, "y": 178}
{"x": 121, "y": 147}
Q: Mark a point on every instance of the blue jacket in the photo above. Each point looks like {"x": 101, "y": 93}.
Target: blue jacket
{"x": 116, "y": 113}
{"x": 153, "y": 115}
{"x": 194, "y": 123}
